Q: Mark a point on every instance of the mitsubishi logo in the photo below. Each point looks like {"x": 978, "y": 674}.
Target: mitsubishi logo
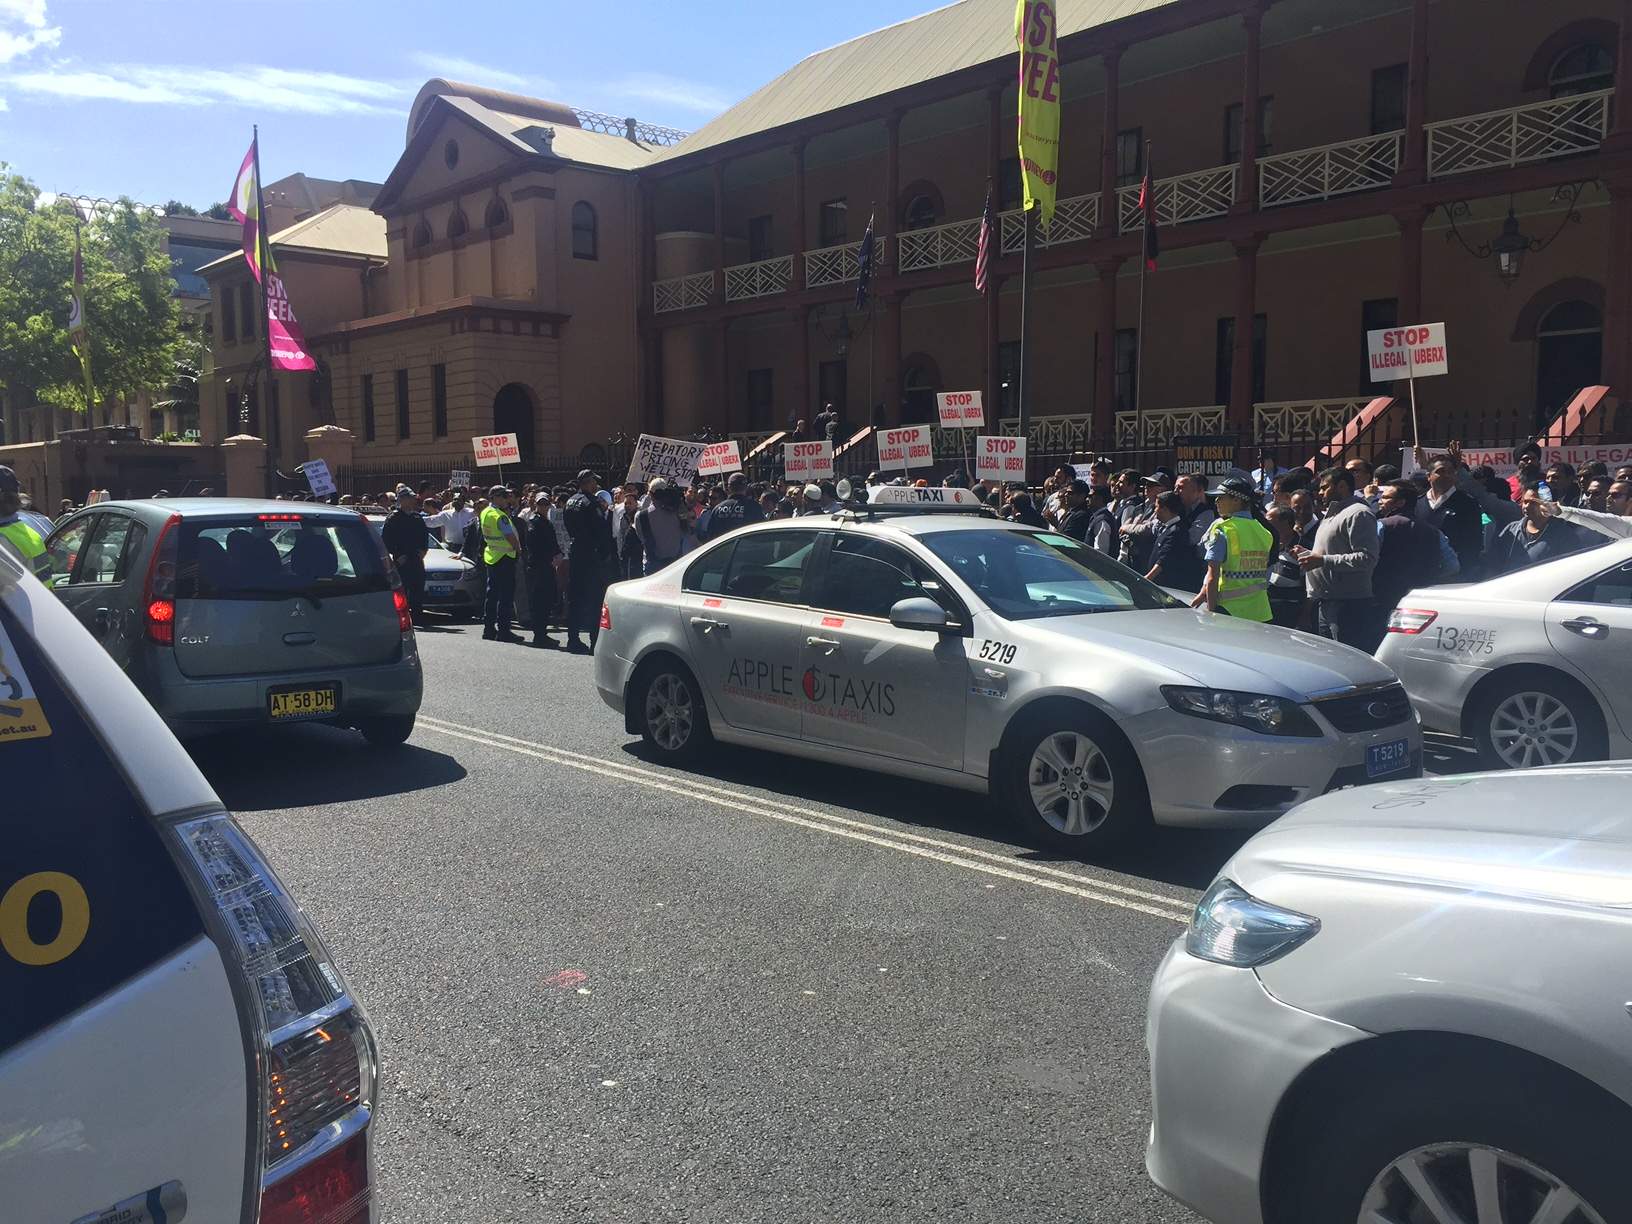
{"x": 297, "y": 611}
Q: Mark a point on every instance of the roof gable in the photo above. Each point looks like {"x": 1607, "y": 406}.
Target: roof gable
{"x": 422, "y": 168}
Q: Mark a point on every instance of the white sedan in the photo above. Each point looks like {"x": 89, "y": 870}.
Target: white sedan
{"x": 1407, "y": 1005}
{"x": 1534, "y": 667}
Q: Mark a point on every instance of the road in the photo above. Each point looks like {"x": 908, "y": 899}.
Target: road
{"x": 760, "y": 989}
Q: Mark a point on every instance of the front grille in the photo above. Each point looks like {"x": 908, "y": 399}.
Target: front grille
{"x": 1355, "y": 775}
{"x": 1370, "y": 710}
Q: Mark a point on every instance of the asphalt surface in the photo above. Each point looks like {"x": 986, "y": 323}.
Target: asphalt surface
{"x": 760, "y": 989}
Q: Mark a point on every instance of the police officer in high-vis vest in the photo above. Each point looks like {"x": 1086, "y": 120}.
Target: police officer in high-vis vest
{"x": 1237, "y": 549}
{"x": 500, "y": 548}
{"x": 16, "y": 535}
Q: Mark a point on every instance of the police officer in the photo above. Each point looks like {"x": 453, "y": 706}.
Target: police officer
{"x": 15, "y": 533}
{"x": 542, "y": 550}
{"x": 500, "y": 547}
{"x": 407, "y": 539}
{"x": 1237, "y": 549}
{"x": 588, "y": 572}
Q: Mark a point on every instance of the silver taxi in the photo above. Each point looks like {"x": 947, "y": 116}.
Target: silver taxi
{"x": 920, "y": 636}
{"x": 1533, "y": 667}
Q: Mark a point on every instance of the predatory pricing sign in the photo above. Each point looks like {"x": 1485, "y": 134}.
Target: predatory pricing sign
{"x": 672, "y": 458}
{"x": 961, "y": 410}
{"x": 1000, "y": 458}
{"x": 905, "y": 448}
{"x": 807, "y": 460}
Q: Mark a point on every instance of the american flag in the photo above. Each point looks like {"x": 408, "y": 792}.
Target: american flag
{"x": 983, "y": 254}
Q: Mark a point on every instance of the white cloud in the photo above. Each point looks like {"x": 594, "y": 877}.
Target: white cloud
{"x": 672, "y": 91}
{"x": 457, "y": 68}
{"x": 4, "y": 106}
{"x": 23, "y": 29}
{"x": 254, "y": 87}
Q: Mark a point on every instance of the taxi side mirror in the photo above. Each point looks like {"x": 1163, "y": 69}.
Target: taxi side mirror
{"x": 920, "y": 613}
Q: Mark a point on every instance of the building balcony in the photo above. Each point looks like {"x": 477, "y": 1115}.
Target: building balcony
{"x": 1501, "y": 139}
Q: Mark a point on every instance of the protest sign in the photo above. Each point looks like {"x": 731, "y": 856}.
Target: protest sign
{"x": 1000, "y": 458}
{"x": 319, "y": 477}
{"x": 459, "y": 479}
{"x": 961, "y": 410}
{"x": 1408, "y": 352}
{"x": 719, "y": 458}
{"x": 807, "y": 460}
{"x": 671, "y": 458}
{"x": 1210, "y": 456}
{"x": 904, "y": 448}
{"x": 493, "y": 450}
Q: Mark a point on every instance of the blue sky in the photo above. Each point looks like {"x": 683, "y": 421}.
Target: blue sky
{"x": 155, "y": 100}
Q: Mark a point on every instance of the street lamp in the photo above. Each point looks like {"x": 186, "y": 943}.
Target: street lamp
{"x": 1509, "y": 247}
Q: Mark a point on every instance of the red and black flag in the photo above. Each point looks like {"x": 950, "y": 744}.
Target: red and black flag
{"x": 864, "y": 266}
{"x": 1147, "y": 209}
{"x": 988, "y": 235}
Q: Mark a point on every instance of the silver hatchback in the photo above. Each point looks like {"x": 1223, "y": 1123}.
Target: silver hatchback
{"x": 228, "y": 612}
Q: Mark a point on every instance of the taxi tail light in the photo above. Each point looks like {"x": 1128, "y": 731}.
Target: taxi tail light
{"x": 159, "y": 590}
{"x": 606, "y": 616}
{"x": 405, "y": 616}
{"x": 314, "y": 1046}
{"x": 1410, "y": 621}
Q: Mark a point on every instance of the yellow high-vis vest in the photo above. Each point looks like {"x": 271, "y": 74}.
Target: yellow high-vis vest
{"x": 495, "y": 544}
{"x": 1243, "y": 579}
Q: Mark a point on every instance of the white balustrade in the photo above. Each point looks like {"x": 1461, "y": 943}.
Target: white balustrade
{"x": 1331, "y": 170}
{"x": 683, "y": 292}
{"x": 835, "y": 265}
{"x": 1075, "y": 220}
{"x": 759, "y": 279}
{"x": 1304, "y": 418}
{"x": 1162, "y": 425}
{"x": 938, "y": 246}
{"x": 1186, "y": 197}
{"x": 1519, "y": 134}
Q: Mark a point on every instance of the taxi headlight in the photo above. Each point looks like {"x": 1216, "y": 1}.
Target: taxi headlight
{"x": 1232, "y": 927}
{"x": 1254, "y": 711}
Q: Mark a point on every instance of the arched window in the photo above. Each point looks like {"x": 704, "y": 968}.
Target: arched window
{"x": 457, "y": 225}
{"x": 1585, "y": 68}
{"x": 919, "y": 382}
{"x": 920, "y": 213}
{"x": 1569, "y": 355}
{"x": 585, "y": 244}
{"x": 497, "y": 213}
{"x": 422, "y": 234}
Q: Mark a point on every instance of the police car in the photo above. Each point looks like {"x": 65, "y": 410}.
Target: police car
{"x": 920, "y": 636}
{"x": 175, "y": 1041}
{"x": 1534, "y": 667}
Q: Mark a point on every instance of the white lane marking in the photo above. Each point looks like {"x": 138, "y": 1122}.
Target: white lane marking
{"x": 755, "y": 808}
{"x": 817, "y": 814}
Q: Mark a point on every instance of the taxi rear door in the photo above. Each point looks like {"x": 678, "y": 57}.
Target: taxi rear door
{"x": 868, "y": 685}
{"x": 745, "y": 614}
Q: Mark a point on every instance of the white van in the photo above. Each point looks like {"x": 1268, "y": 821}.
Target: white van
{"x": 175, "y": 1044}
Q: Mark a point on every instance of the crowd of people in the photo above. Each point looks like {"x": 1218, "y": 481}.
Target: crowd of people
{"x": 1331, "y": 552}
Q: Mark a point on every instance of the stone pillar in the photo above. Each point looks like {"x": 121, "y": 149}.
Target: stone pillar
{"x": 892, "y": 192}
{"x": 801, "y": 354}
{"x": 1410, "y": 290}
{"x": 1413, "y": 167}
{"x": 800, "y": 235}
{"x": 1617, "y": 364}
{"x": 1105, "y": 383}
{"x": 994, "y": 361}
{"x": 1247, "y": 192}
{"x": 1109, "y": 222}
{"x": 719, "y": 234}
{"x": 334, "y": 445}
{"x": 889, "y": 343}
{"x": 1239, "y": 412}
{"x": 243, "y": 458}
{"x": 721, "y": 419}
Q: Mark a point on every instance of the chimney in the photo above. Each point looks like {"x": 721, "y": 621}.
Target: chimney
{"x": 280, "y": 212}
{"x": 629, "y": 129}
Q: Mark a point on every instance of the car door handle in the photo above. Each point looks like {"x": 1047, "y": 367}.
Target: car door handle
{"x": 826, "y": 645}
{"x": 299, "y": 639}
{"x": 1588, "y": 628}
{"x": 707, "y": 624}
{"x": 99, "y": 621}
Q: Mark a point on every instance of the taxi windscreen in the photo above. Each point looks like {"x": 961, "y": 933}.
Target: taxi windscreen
{"x": 1022, "y": 574}
{"x": 254, "y": 558}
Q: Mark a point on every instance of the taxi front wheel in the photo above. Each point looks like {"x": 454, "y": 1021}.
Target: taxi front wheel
{"x": 673, "y": 721}
{"x": 1072, "y": 780}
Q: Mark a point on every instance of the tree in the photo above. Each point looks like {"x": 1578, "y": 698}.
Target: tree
{"x": 175, "y": 208}
{"x": 131, "y": 313}
{"x": 219, "y": 212}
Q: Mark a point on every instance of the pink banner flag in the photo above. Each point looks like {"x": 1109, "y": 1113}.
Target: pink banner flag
{"x": 284, "y": 337}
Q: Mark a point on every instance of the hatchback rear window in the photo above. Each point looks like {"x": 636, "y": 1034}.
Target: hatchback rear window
{"x": 255, "y": 558}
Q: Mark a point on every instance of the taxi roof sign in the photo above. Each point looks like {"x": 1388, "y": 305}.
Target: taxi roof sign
{"x": 898, "y": 499}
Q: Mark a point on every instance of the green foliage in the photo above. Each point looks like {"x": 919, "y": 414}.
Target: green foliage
{"x": 175, "y": 208}
{"x": 131, "y": 313}
{"x": 218, "y": 212}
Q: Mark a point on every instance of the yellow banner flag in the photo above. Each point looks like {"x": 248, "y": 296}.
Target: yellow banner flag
{"x": 1039, "y": 125}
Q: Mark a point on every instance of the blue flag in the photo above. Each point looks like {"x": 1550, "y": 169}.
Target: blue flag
{"x": 864, "y": 266}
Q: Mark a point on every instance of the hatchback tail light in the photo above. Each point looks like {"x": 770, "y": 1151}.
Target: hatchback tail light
{"x": 159, "y": 591}
{"x": 314, "y": 1047}
{"x": 405, "y": 616}
{"x": 606, "y": 616}
{"x": 1410, "y": 621}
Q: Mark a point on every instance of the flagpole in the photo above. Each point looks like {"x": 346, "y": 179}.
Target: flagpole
{"x": 1024, "y": 391}
{"x": 84, "y": 345}
{"x": 264, "y": 253}
{"x": 872, "y": 317}
{"x": 1139, "y": 343}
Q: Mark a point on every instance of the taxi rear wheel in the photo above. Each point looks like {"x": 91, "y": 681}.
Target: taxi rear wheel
{"x": 1533, "y": 720}
{"x": 672, "y": 719}
{"x": 1073, "y": 781}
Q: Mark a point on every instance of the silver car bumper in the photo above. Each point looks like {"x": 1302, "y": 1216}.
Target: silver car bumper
{"x": 1437, "y": 683}
{"x": 1223, "y": 1052}
{"x": 189, "y": 704}
{"x": 1202, "y": 773}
